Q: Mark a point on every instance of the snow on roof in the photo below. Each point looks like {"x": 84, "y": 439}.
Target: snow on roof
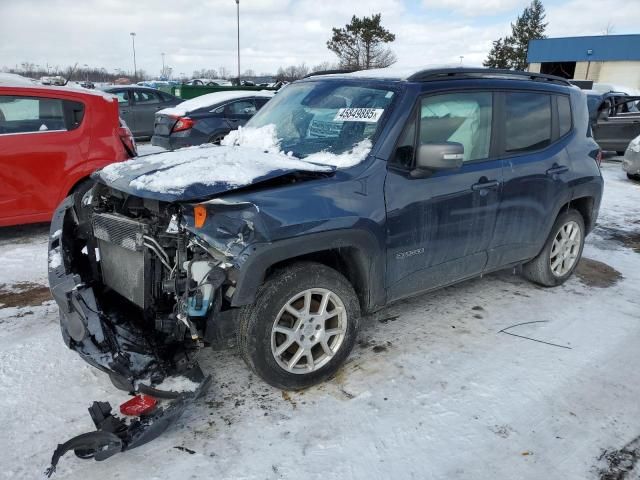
{"x": 15, "y": 79}
{"x": 211, "y": 99}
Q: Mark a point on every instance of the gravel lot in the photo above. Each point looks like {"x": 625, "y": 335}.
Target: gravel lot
{"x": 438, "y": 387}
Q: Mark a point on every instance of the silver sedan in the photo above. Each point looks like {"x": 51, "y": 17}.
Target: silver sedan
{"x": 631, "y": 160}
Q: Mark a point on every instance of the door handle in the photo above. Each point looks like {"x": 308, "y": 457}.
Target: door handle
{"x": 557, "y": 170}
{"x": 233, "y": 120}
{"x": 487, "y": 184}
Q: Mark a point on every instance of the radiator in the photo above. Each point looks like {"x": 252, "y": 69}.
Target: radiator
{"x": 122, "y": 256}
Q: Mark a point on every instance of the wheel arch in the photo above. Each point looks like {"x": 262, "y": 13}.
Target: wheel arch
{"x": 353, "y": 253}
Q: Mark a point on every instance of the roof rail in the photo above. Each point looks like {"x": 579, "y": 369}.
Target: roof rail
{"x": 329, "y": 72}
{"x": 439, "y": 74}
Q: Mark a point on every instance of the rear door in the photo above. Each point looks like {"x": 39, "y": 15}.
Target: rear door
{"x": 239, "y": 112}
{"x": 439, "y": 227}
{"x": 37, "y": 146}
{"x": 614, "y": 131}
{"x": 124, "y": 107}
{"x": 532, "y": 142}
{"x": 145, "y": 105}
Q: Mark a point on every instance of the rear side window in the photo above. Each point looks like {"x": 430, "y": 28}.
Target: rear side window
{"x": 241, "y": 107}
{"x": 146, "y": 98}
{"x": 528, "y": 121}
{"x": 31, "y": 114}
{"x": 564, "y": 115}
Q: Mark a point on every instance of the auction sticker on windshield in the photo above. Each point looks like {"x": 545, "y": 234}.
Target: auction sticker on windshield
{"x": 359, "y": 115}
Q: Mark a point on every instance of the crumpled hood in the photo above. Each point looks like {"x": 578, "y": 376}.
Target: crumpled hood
{"x": 200, "y": 172}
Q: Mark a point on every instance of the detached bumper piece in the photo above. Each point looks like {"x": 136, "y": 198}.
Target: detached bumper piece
{"x": 114, "y": 435}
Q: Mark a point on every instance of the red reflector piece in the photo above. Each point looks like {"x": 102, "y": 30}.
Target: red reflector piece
{"x": 138, "y": 405}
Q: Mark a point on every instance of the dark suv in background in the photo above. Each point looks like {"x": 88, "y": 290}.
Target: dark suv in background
{"x": 343, "y": 194}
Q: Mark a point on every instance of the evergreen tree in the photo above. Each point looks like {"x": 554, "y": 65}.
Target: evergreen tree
{"x": 360, "y": 44}
{"x": 511, "y": 51}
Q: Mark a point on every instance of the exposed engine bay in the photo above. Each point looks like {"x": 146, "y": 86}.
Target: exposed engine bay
{"x": 139, "y": 296}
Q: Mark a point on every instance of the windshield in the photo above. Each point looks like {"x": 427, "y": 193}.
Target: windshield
{"x": 324, "y": 116}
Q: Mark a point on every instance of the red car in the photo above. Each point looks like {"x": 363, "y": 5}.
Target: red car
{"x": 51, "y": 140}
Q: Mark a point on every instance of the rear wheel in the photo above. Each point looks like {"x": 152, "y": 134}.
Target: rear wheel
{"x": 216, "y": 139}
{"x": 560, "y": 254}
{"x": 635, "y": 178}
{"x": 301, "y": 327}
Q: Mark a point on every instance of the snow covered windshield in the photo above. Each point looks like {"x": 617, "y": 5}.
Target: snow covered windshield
{"x": 328, "y": 117}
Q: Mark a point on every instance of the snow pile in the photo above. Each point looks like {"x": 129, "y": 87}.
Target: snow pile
{"x": 55, "y": 259}
{"x": 264, "y": 138}
{"x": 344, "y": 160}
{"x": 177, "y": 384}
{"x": 211, "y": 99}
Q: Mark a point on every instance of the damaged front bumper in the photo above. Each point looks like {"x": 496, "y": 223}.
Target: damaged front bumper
{"x": 106, "y": 337}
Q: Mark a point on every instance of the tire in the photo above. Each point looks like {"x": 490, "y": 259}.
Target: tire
{"x": 217, "y": 138}
{"x": 539, "y": 270}
{"x": 620, "y": 153}
{"x": 635, "y": 178}
{"x": 258, "y": 342}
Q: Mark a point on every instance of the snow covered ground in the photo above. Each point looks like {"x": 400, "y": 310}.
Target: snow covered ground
{"x": 433, "y": 389}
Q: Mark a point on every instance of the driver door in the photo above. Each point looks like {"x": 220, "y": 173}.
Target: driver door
{"x": 439, "y": 227}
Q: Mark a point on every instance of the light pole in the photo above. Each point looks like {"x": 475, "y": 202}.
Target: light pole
{"x": 86, "y": 72}
{"x": 238, "y": 15}
{"x": 163, "y": 74}
{"x": 133, "y": 43}
{"x": 461, "y": 58}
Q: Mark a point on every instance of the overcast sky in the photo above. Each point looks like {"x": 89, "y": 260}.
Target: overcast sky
{"x": 202, "y": 33}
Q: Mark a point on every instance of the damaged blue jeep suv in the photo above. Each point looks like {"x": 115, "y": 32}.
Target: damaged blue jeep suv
{"x": 344, "y": 193}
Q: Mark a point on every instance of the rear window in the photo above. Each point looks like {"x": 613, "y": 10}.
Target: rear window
{"x": 528, "y": 122}
{"x": 564, "y": 115}
{"x": 31, "y": 114}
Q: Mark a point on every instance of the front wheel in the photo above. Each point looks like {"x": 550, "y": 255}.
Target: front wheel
{"x": 635, "y": 178}
{"x": 301, "y": 327}
{"x": 561, "y": 253}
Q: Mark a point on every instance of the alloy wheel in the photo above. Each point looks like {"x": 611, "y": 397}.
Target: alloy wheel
{"x": 308, "y": 331}
{"x": 565, "y": 248}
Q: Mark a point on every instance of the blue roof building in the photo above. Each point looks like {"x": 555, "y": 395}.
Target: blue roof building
{"x": 605, "y": 58}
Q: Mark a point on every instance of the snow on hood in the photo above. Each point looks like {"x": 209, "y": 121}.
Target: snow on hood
{"x": 199, "y": 172}
{"x": 246, "y": 156}
{"x": 211, "y": 99}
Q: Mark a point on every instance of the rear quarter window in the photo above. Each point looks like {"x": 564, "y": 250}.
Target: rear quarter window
{"x": 528, "y": 121}
{"x": 564, "y": 115}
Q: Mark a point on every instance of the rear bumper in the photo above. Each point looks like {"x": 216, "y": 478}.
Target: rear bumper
{"x": 174, "y": 142}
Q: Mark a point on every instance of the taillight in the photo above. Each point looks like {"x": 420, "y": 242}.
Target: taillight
{"x": 599, "y": 157}
{"x": 127, "y": 140}
{"x": 183, "y": 123}
{"x": 138, "y": 405}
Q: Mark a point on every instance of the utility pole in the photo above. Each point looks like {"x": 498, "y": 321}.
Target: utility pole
{"x": 133, "y": 42}
{"x": 238, "y": 15}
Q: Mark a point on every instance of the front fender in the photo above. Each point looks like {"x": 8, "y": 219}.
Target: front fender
{"x": 369, "y": 260}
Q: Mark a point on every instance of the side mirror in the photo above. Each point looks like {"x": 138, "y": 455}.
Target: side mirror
{"x": 433, "y": 157}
